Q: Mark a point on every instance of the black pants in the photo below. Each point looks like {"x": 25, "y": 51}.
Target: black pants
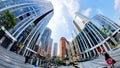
{"x": 26, "y": 59}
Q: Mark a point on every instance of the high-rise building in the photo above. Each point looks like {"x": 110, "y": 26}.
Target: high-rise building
{"x": 79, "y": 22}
{"x": 99, "y": 33}
{"x": 32, "y": 18}
{"x": 75, "y": 48}
{"x": 49, "y": 50}
{"x": 63, "y": 45}
{"x": 55, "y": 50}
{"x": 44, "y": 40}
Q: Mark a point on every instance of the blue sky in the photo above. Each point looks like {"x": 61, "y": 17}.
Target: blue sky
{"x": 61, "y": 22}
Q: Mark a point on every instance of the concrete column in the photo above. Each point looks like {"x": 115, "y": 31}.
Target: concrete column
{"x": 84, "y": 56}
{"x": 94, "y": 52}
{"x": 87, "y": 55}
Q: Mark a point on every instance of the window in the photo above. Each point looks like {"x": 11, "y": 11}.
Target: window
{"x": 28, "y": 14}
{"x": 21, "y": 18}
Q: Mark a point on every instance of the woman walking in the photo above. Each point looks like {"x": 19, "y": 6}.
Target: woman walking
{"x": 109, "y": 60}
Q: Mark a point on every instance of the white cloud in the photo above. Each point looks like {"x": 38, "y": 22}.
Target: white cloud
{"x": 87, "y": 12}
{"x": 72, "y": 6}
{"x": 60, "y": 24}
{"x": 116, "y": 4}
{"x": 99, "y": 11}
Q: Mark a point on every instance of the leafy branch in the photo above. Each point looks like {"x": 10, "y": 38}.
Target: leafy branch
{"x": 7, "y": 19}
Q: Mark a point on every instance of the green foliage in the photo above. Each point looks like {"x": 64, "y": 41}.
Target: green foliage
{"x": 107, "y": 30}
{"x": 59, "y": 62}
{"x": 7, "y": 19}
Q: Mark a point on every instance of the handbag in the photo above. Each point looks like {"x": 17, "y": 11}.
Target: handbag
{"x": 110, "y": 61}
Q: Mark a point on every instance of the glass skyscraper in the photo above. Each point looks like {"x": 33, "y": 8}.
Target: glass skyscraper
{"x": 49, "y": 49}
{"x": 55, "y": 50}
{"x": 45, "y": 38}
{"x": 32, "y": 18}
{"x": 98, "y": 33}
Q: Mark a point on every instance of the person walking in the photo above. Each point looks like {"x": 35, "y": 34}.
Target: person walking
{"x": 26, "y": 59}
{"x": 108, "y": 59}
{"x": 34, "y": 57}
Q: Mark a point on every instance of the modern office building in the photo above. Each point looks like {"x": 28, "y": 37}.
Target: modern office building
{"x": 32, "y": 18}
{"x": 75, "y": 48}
{"x": 97, "y": 34}
{"x": 55, "y": 50}
{"x": 79, "y": 22}
{"x": 49, "y": 50}
{"x": 63, "y": 47}
{"x": 44, "y": 40}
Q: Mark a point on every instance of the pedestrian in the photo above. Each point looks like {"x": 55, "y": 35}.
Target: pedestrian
{"x": 109, "y": 60}
{"x": 34, "y": 57}
{"x": 26, "y": 59}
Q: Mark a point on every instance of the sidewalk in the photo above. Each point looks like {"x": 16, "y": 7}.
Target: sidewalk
{"x": 115, "y": 54}
{"x": 9, "y": 59}
{"x": 100, "y": 61}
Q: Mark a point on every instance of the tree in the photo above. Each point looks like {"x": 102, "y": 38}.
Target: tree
{"x": 7, "y": 19}
{"x": 107, "y": 30}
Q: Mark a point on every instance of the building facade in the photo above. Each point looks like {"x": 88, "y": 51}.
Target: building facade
{"x": 44, "y": 41}
{"x": 63, "y": 47}
{"x": 32, "y": 18}
{"x": 49, "y": 50}
{"x": 55, "y": 50}
{"x": 98, "y": 34}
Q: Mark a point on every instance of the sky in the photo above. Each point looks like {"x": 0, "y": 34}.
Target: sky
{"x": 61, "y": 23}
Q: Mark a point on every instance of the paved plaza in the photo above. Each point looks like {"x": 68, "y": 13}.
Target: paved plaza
{"x": 9, "y": 59}
{"x": 99, "y": 62}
